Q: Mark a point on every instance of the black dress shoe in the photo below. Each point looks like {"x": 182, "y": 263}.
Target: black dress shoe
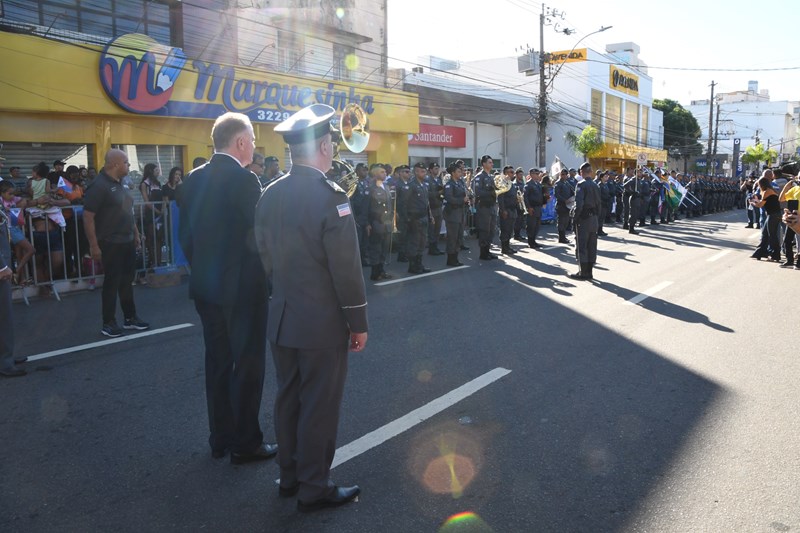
{"x": 20, "y": 360}
{"x": 218, "y": 453}
{"x": 340, "y": 496}
{"x": 288, "y": 492}
{"x": 13, "y": 372}
{"x": 262, "y": 453}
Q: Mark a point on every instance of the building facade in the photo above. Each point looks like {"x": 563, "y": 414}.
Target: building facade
{"x": 151, "y": 76}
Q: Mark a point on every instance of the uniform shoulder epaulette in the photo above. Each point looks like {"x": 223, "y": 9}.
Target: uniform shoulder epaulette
{"x": 333, "y": 185}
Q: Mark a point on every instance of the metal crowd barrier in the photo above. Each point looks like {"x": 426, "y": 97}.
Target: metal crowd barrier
{"x": 62, "y": 262}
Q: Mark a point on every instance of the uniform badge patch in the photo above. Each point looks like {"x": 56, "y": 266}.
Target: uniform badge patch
{"x": 343, "y": 209}
{"x": 334, "y": 185}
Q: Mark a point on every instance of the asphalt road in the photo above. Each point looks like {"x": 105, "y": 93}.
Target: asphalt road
{"x": 675, "y": 413}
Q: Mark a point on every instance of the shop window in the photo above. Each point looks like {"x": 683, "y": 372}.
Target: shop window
{"x": 631, "y": 126}
{"x": 613, "y": 129}
{"x": 645, "y": 125}
{"x": 597, "y": 110}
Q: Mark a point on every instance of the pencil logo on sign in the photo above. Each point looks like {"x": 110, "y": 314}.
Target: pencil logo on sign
{"x": 139, "y": 73}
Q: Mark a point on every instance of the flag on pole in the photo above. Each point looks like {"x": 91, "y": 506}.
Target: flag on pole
{"x": 676, "y": 192}
{"x": 555, "y": 168}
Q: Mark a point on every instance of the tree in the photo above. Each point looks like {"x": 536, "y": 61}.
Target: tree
{"x": 681, "y": 130}
{"x": 587, "y": 144}
{"x": 758, "y": 154}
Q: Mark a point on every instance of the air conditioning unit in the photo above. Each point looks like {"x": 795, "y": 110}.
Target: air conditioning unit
{"x": 528, "y": 63}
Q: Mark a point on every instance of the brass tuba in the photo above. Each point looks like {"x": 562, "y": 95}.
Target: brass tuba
{"x": 352, "y": 130}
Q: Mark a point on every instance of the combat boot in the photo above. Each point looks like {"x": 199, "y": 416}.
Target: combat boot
{"x": 412, "y": 266}
{"x": 383, "y": 274}
{"x": 562, "y": 237}
{"x": 376, "y": 273}
{"x": 434, "y": 250}
{"x": 582, "y": 273}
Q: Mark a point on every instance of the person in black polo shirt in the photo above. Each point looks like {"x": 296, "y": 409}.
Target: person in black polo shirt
{"x": 114, "y": 239}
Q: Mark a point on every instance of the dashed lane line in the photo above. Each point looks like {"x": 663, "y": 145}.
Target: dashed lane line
{"x": 639, "y": 298}
{"x": 718, "y": 256}
{"x": 108, "y": 342}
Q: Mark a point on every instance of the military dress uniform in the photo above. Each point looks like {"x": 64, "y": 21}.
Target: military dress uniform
{"x": 534, "y": 200}
{"x": 360, "y": 202}
{"x": 507, "y": 203}
{"x": 633, "y": 203}
{"x": 417, "y": 217}
{"x": 564, "y": 192}
{"x": 644, "y": 194}
{"x": 486, "y": 212}
{"x": 435, "y": 197}
{"x": 518, "y": 188}
{"x": 380, "y": 224}
{"x": 455, "y": 195}
{"x": 587, "y": 205}
{"x": 317, "y": 311}
{"x": 402, "y": 193}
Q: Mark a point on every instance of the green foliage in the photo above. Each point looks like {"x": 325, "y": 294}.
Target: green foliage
{"x": 587, "y": 144}
{"x": 759, "y": 154}
{"x": 681, "y": 130}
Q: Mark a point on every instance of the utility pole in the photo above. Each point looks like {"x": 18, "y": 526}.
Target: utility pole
{"x": 541, "y": 118}
{"x": 710, "y": 121}
{"x": 716, "y": 134}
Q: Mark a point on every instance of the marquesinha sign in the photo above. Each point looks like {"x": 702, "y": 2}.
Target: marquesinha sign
{"x": 140, "y": 75}
{"x": 623, "y": 81}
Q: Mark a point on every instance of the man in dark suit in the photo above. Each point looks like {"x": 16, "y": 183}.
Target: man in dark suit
{"x": 318, "y": 307}
{"x": 228, "y": 287}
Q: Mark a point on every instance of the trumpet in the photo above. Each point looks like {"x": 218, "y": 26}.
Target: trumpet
{"x": 352, "y": 130}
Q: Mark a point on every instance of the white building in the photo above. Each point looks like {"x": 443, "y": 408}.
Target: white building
{"x": 751, "y": 117}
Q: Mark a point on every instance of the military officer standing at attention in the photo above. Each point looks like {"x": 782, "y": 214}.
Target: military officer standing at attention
{"x": 631, "y": 186}
{"x": 379, "y": 228}
{"x": 644, "y": 195}
{"x": 519, "y": 190}
{"x": 418, "y": 216}
{"x": 402, "y": 191}
{"x": 435, "y": 197}
{"x": 486, "y": 211}
{"x": 318, "y": 308}
{"x": 455, "y": 196}
{"x": 605, "y": 201}
{"x": 360, "y": 204}
{"x": 587, "y": 205}
{"x": 534, "y": 200}
{"x": 507, "y": 203}
{"x": 564, "y": 193}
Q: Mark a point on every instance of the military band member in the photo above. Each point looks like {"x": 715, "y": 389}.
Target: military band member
{"x": 379, "y": 222}
{"x": 633, "y": 202}
{"x": 486, "y": 209}
{"x": 605, "y": 201}
{"x": 565, "y": 194}
{"x": 507, "y": 204}
{"x": 360, "y": 204}
{"x": 655, "y": 196}
{"x": 519, "y": 190}
{"x": 534, "y": 202}
{"x": 455, "y": 196}
{"x": 402, "y": 191}
{"x": 418, "y": 216}
{"x": 644, "y": 195}
{"x": 587, "y": 204}
{"x": 435, "y": 197}
{"x": 318, "y": 308}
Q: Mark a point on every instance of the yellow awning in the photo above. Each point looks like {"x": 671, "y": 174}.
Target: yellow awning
{"x": 629, "y": 152}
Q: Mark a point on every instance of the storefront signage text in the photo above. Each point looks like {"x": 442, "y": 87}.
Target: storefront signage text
{"x": 435, "y": 135}
{"x": 624, "y": 81}
{"x": 566, "y": 56}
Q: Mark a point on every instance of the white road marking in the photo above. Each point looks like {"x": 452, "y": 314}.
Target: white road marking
{"x": 406, "y": 422}
{"x": 718, "y": 256}
{"x": 648, "y": 293}
{"x": 97, "y": 344}
{"x": 418, "y": 276}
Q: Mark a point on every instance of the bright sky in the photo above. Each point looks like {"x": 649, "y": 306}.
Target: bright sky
{"x": 680, "y": 34}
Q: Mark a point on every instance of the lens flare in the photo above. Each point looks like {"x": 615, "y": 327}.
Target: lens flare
{"x": 450, "y": 472}
{"x": 466, "y": 522}
{"x": 340, "y": 12}
{"x": 351, "y": 61}
{"x": 424, "y": 376}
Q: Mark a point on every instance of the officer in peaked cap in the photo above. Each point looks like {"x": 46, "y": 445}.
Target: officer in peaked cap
{"x": 318, "y": 308}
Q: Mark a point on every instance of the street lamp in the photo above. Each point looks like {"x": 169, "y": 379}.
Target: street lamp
{"x": 544, "y": 86}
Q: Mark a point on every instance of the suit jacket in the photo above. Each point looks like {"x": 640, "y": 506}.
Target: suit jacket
{"x": 216, "y": 232}
{"x": 306, "y": 235}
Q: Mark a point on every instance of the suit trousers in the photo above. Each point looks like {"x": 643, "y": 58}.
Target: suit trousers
{"x": 6, "y": 327}
{"x": 635, "y": 208}
{"x": 417, "y": 236}
{"x": 119, "y": 265}
{"x": 379, "y": 246}
{"x": 236, "y": 342}
{"x": 310, "y": 389}
{"x": 507, "y": 225}
{"x": 562, "y": 218}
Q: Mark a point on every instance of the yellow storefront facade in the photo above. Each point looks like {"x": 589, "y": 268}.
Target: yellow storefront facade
{"x": 135, "y": 91}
